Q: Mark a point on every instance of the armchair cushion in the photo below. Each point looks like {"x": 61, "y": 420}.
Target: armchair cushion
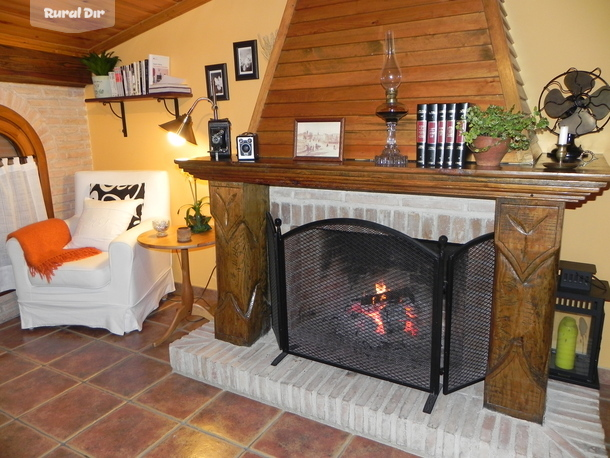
{"x": 120, "y": 192}
{"x": 102, "y": 221}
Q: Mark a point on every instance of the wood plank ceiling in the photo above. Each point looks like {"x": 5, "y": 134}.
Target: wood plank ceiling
{"x": 330, "y": 62}
{"x": 40, "y": 56}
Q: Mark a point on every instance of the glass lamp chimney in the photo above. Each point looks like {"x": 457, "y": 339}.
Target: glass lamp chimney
{"x": 391, "y": 76}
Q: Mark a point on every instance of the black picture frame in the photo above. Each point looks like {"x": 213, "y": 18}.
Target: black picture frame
{"x": 245, "y": 54}
{"x": 319, "y": 139}
{"x": 216, "y": 75}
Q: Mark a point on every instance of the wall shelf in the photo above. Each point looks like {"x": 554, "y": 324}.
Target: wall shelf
{"x": 161, "y": 96}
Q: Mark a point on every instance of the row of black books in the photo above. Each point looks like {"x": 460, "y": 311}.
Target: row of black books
{"x": 144, "y": 77}
{"x": 439, "y": 141}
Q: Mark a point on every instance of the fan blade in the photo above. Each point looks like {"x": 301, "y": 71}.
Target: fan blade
{"x": 580, "y": 123}
{"x": 555, "y": 104}
{"x": 578, "y": 82}
{"x": 599, "y": 102}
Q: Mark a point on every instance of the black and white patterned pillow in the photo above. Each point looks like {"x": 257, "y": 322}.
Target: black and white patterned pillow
{"x": 120, "y": 192}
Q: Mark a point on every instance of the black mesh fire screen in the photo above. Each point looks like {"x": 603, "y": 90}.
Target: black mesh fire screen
{"x": 364, "y": 297}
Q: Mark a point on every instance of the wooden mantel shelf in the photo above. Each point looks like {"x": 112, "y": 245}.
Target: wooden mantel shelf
{"x": 510, "y": 181}
{"x": 530, "y": 204}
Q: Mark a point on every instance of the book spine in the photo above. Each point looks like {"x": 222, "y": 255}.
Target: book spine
{"x": 449, "y": 134}
{"x": 440, "y": 135}
{"x": 421, "y": 133}
{"x": 460, "y": 149}
{"x": 431, "y": 118}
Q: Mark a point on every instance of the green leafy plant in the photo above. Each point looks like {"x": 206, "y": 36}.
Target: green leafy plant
{"x": 503, "y": 124}
{"x": 100, "y": 64}
{"x": 194, "y": 217}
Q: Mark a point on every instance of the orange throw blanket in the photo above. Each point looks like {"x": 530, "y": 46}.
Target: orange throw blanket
{"x": 43, "y": 246}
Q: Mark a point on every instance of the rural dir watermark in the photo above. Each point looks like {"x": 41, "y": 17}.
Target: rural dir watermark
{"x": 72, "y": 16}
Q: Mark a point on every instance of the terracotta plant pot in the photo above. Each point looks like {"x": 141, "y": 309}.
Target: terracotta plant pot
{"x": 492, "y": 157}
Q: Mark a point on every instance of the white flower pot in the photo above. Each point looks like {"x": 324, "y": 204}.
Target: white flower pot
{"x": 101, "y": 86}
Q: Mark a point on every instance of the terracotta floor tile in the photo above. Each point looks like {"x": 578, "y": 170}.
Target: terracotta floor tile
{"x": 292, "y": 436}
{"x": 137, "y": 340}
{"x": 32, "y": 389}
{"x": 178, "y": 396}
{"x": 71, "y": 412}
{"x": 13, "y": 366}
{"x": 361, "y": 447}
{"x": 53, "y": 346}
{"x": 13, "y": 336}
{"x": 189, "y": 442}
{"x": 20, "y": 441}
{"x": 10, "y": 322}
{"x": 126, "y": 432}
{"x": 64, "y": 452}
{"x": 166, "y": 314}
{"x": 235, "y": 417}
{"x": 162, "y": 351}
{"x": 132, "y": 375}
{"x": 91, "y": 359}
{"x": 4, "y": 418}
{"x": 96, "y": 333}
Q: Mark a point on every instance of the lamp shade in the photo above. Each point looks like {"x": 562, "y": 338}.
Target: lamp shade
{"x": 181, "y": 126}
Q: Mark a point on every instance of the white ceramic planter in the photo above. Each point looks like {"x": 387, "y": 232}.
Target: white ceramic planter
{"x": 101, "y": 86}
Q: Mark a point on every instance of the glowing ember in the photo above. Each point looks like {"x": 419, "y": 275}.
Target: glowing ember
{"x": 373, "y": 305}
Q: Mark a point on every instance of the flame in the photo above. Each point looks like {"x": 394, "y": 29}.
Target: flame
{"x": 380, "y": 287}
{"x": 410, "y": 327}
{"x": 374, "y": 313}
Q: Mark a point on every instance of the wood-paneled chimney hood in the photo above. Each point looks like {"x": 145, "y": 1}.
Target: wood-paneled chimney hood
{"x": 326, "y": 63}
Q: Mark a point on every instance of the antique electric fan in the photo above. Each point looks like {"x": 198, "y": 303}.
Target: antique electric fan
{"x": 579, "y": 101}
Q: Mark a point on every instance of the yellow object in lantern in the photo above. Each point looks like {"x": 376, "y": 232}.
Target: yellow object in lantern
{"x": 567, "y": 335}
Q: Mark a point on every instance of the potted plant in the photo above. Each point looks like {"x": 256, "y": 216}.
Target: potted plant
{"x": 194, "y": 217}
{"x": 492, "y": 132}
{"x": 100, "y": 65}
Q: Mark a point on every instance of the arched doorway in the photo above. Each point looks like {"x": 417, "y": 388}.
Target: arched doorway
{"x": 19, "y": 134}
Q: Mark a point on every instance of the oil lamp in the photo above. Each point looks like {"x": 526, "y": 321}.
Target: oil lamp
{"x": 392, "y": 110}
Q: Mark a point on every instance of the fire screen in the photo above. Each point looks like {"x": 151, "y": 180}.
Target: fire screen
{"x": 360, "y": 296}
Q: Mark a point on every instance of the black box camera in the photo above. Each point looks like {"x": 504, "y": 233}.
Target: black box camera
{"x": 247, "y": 147}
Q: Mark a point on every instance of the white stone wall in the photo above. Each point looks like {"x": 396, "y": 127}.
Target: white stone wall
{"x": 59, "y": 117}
{"x": 425, "y": 217}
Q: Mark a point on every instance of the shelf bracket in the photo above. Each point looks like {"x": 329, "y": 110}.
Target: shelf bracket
{"x": 121, "y": 116}
{"x": 176, "y": 112}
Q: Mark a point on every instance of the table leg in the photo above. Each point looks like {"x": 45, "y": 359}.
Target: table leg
{"x": 186, "y": 305}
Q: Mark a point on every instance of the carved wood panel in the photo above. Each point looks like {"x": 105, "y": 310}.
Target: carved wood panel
{"x": 239, "y": 211}
{"x": 528, "y": 239}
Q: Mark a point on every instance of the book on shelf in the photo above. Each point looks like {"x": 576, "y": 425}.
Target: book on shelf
{"x": 158, "y": 66}
{"x": 421, "y": 132}
{"x": 169, "y": 83}
{"x": 449, "y": 134}
{"x": 440, "y": 134}
{"x": 431, "y": 136}
{"x": 460, "y": 148}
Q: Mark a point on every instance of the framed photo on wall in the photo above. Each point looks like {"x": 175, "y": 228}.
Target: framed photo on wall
{"x": 216, "y": 80}
{"x": 318, "y": 139}
{"x": 246, "y": 60}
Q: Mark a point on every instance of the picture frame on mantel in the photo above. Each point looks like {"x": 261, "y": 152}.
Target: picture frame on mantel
{"x": 319, "y": 139}
{"x": 216, "y": 80}
{"x": 245, "y": 54}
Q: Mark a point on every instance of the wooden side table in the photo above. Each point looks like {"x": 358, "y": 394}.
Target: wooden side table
{"x": 207, "y": 239}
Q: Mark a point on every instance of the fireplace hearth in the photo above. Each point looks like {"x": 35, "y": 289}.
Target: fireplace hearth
{"x": 360, "y": 296}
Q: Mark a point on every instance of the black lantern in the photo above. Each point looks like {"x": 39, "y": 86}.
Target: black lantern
{"x": 578, "y": 325}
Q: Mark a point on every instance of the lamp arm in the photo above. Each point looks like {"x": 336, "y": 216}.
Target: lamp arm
{"x": 213, "y": 102}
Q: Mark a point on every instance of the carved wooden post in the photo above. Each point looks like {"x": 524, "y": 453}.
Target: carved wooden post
{"x": 528, "y": 238}
{"x": 239, "y": 211}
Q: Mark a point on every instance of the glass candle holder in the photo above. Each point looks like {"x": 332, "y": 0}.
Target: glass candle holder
{"x": 161, "y": 225}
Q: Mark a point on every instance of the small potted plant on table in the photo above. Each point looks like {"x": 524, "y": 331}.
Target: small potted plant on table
{"x": 100, "y": 65}
{"x": 492, "y": 132}
{"x": 194, "y": 217}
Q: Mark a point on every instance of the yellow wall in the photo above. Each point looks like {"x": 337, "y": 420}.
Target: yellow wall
{"x": 550, "y": 37}
{"x": 202, "y": 37}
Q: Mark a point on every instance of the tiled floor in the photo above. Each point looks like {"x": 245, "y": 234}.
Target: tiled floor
{"x": 75, "y": 391}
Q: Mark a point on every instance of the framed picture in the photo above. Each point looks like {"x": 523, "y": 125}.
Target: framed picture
{"x": 318, "y": 139}
{"x": 246, "y": 60}
{"x": 216, "y": 80}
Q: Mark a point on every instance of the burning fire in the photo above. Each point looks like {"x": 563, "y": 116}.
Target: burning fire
{"x": 377, "y": 302}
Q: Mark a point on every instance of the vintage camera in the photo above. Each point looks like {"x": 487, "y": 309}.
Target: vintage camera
{"x": 247, "y": 146}
{"x": 219, "y": 131}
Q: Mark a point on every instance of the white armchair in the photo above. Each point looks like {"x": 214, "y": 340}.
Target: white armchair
{"x": 116, "y": 289}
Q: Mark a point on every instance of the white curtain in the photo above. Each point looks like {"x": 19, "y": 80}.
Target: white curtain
{"x": 21, "y": 203}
